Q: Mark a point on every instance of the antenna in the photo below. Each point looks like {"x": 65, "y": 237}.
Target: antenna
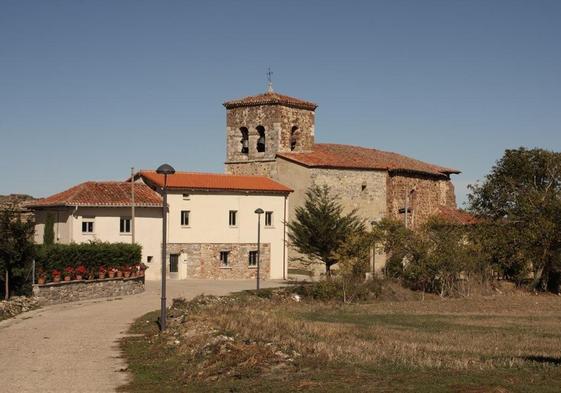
{"x": 269, "y": 80}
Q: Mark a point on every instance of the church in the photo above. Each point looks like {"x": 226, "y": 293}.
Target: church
{"x": 271, "y": 161}
{"x": 273, "y": 135}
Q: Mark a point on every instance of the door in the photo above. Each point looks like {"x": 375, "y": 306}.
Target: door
{"x": 173, "y": 267}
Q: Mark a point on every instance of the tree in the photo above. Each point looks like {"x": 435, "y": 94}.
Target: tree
{"x": 49, "y": 234}
{"x": 16, "y": 249}
{"x": 521, "y": 199}
{"x": 320, "y": 227}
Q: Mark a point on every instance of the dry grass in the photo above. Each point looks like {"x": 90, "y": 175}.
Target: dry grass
{"x": 256, "y": 344}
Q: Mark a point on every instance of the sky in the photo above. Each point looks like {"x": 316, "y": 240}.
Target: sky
{"x": 89, "y": 89}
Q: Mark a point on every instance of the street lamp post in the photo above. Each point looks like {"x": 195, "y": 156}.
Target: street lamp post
{"x": 164, "y": 169}
{"x": 258, "y": 211}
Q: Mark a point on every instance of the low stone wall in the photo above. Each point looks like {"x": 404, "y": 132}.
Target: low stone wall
{"x": 16, "y": 305}
{"x": 71, "y": 291}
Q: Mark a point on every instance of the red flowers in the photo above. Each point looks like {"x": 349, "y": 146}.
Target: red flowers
{"x": 80, "y": 270}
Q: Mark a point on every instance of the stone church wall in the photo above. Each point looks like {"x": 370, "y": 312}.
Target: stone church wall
{"x": 278, "y": 122}
{"x": 430, "y": 193}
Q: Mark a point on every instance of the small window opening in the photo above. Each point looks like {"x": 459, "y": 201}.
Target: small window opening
{"x": 174, "y": 263}
{"x": 363, "y": 186}
{"x": 185, "y": 218}
{"x": 268, "y": 219}
{"x": 252, "y": 262}
{"x": 186, "y": 197}
{"x": 294, "y": 138}
{"x": 245, "y": 140}
{"x": 233, "y": 218}
{"x": 261, "y": 139}
{"x": 125, "y": 225}
{"x": 224, "y": 258}
{"x": 149, "y": 258}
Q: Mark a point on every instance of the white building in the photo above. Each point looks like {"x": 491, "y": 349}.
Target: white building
{"x": 212, "y": 225}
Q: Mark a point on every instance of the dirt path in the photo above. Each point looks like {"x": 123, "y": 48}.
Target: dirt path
{"x": 73, "y": 347}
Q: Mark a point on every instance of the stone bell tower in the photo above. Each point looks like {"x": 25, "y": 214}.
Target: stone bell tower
{"x": 258, "y": 127}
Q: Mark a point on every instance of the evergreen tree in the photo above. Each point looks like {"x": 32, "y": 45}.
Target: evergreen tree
{"x": 16, "y": 250}
{"x": 320, "y": 227}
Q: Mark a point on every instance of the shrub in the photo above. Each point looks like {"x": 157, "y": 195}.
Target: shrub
{"x": 90, "y": 255}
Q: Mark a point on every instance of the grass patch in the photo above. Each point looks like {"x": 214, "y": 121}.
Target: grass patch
{"x": 246, "y": 343}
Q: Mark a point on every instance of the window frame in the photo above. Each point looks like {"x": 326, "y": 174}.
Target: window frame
{"x": 91, "y": 221}
{"x": 182, "y": 215}
{"x": 224, "y": 259}
{"x": 233, "y": 214}
{"x": 125, "y": 220}
{"x": 252, "y": 255}
{"x": 271, "y": 224}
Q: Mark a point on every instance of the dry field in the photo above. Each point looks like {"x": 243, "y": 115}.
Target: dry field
{"x": 244, "y": 343}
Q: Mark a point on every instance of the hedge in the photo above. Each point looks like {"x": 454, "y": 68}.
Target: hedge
{"x": 92, "y": 255}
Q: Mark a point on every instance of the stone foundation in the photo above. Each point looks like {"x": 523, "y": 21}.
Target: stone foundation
{"x": 71, "y": 291}
{"x": 203, "y": 260}
{"x": 16, "y": 305}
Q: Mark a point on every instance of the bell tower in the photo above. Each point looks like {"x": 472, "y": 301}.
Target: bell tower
{"x": 260, "y": 126}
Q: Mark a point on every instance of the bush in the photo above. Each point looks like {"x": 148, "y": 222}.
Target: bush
{"x": 92, "y": 255}
{"x": 338, "y": 289}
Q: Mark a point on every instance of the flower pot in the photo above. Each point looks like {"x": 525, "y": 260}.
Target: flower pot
{"x": 101, "y": 276}
{"x": 79, "y": 278}
{"x": 133, "y": 274}
{"x": 127, "y": 274}
{"x": 56, "y": 278}
{"x": 141, "y": 273}
{"x": 111, "y": 274}
{"x": 67, "y": 278}
{"x": 119, "y": 274}
{"x": 41, "y": 280}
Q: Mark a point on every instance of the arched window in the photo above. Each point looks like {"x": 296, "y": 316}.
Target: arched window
{"x": 294, "y": 137}
{"x": 261, "y": 139}
{"x": 245, "y": 140}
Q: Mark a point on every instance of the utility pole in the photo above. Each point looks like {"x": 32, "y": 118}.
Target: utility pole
{"x": 406, "y": 207}
{"x": 132, "y": 205}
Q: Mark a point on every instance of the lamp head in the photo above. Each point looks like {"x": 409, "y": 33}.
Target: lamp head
{"x": 165, "y": 169}
{"x": 259, "y": 211}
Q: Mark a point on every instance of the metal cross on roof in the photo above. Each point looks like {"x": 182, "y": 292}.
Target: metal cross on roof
{"x": 269, "y": 80}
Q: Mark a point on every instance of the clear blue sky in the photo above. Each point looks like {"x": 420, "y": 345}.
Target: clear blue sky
{"x": 90, "y": 88}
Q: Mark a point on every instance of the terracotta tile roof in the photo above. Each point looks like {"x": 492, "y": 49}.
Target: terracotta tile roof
{"x": 327, "y": 155}
{"x": 270, "y": 99}
{"x": 215, "y": 181}
{"x": 112, "y": 194}
{"x": 456, "y": 216}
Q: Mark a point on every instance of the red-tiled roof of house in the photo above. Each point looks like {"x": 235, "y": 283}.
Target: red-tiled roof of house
{"x": 110, "y": 194}
{"x": 271, "y": 98}
{"x": 215, "y": 181}
{"x": 456, "y": 216}
{"x": 326, "y": 155}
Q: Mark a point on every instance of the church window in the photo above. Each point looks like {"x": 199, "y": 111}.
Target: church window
{"x": 245, "y": 140}
{"x": 293, "y": 137}
{"x": 261, "y": 139}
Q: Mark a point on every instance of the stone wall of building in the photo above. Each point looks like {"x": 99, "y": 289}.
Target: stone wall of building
{"x": 253, "y": 168}
{"x": 203, "y": 260}
{"x": 430, "y": 193}
{"x": 278, "y": 122}
{"x": 362, "y": 190}
{"x": 65, "y": 292}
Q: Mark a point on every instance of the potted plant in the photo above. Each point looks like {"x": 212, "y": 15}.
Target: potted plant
{"x": 112, "y": 272}
{"x": 56, "y": 275}
{"x": 41, "y": 276}
{"x": 68, "y": 271}
{"x": 101, "y": 272}
{"x": 80, "y": 272}
{"x": 119, "y": 273}
{"x": 126, "y": 271}
{"x": 134, "y": 271}
{"x": 141, "y": 268}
